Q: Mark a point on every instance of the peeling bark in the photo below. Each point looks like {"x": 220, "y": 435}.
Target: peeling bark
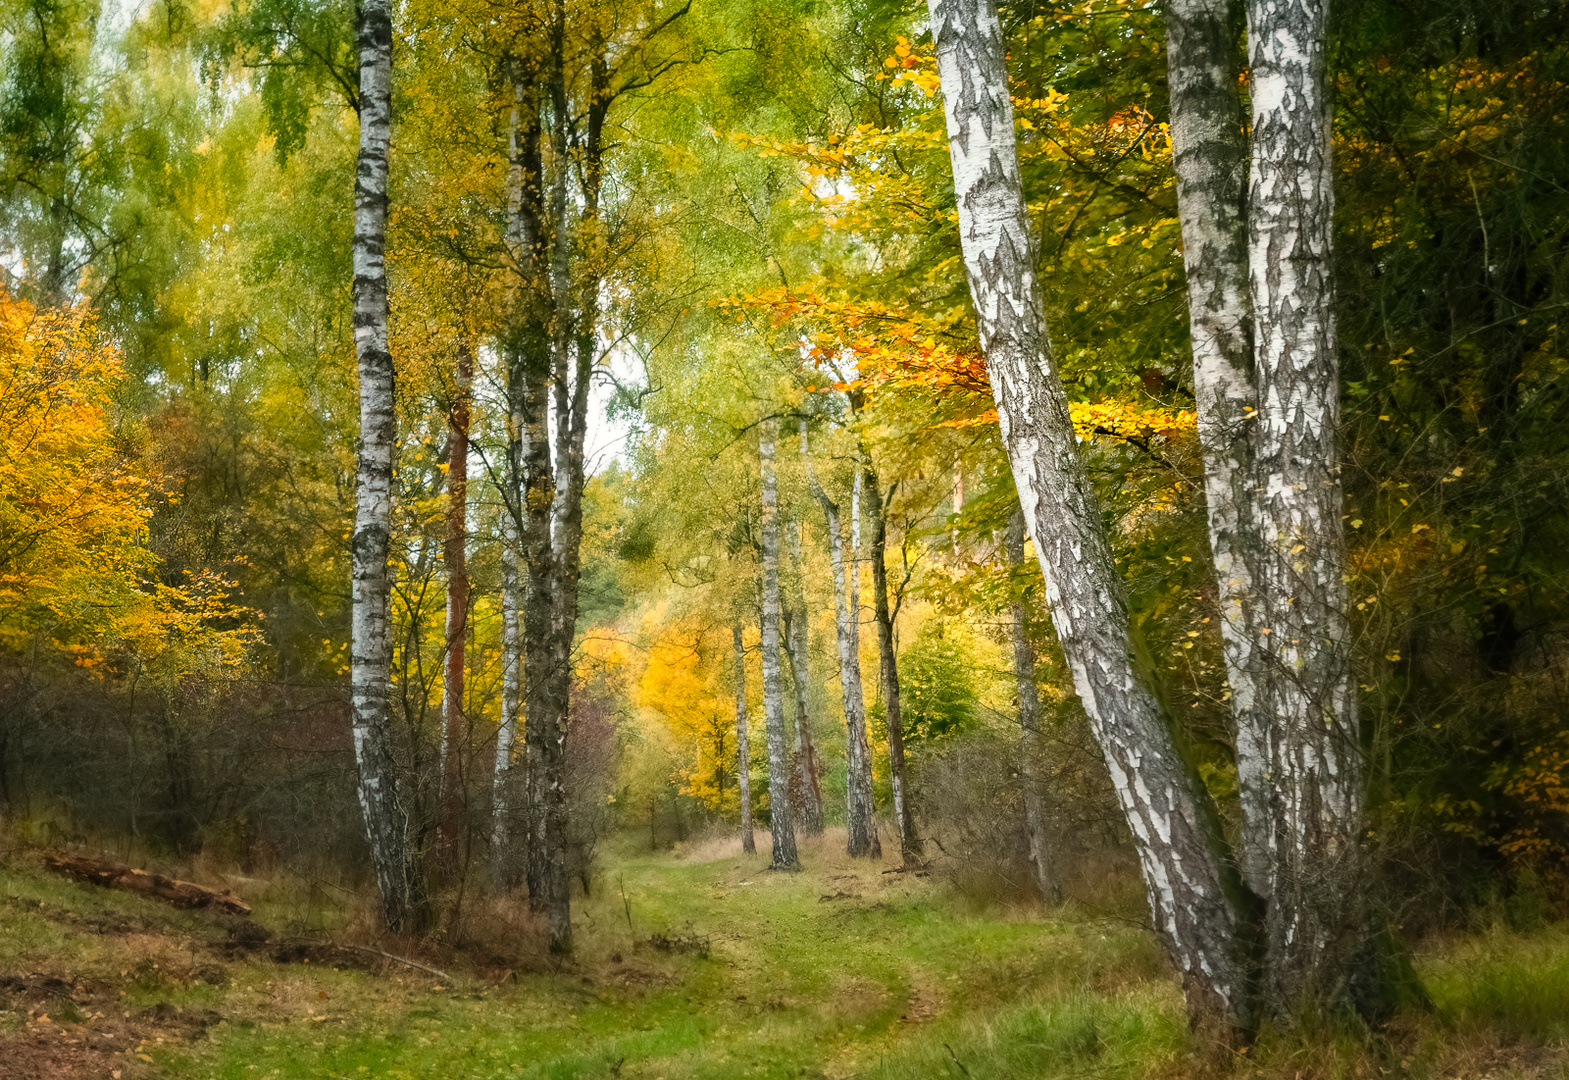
{"x": 1313, "y": 920}
{"x": 1188, "y": 898}
{"x": 1209, "y": 151}
{"x": 403, "y": 906}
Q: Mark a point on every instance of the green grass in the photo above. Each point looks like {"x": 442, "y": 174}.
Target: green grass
{"x": 840, "y": 971}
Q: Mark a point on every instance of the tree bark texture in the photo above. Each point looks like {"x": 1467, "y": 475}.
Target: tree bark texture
{"x": 504, "y": 870}
{"x": 371, "y": 654}
{"x": 743, "y": 749}
{"x": 1041, "y": 856}
{"x": 781, "y": 821}
{"x": 113, "y": 875}
{"x": 806, "y": 793}
{"x": 454, "y": 727}
{"x": 1312, "y": 920}
{"x": 860, "y": 816}
{"x": 904, "y": 820}
{"x": 1189, "y": 903}
{"x": 1209, "y": 150}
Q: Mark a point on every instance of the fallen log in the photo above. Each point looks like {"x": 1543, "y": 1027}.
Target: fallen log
{"x": 113, "y": 875}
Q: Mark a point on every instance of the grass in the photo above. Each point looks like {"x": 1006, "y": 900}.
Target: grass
{"x": 840, "y": 971}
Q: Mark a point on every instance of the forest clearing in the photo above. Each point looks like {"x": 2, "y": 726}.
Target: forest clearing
{"x": 843, "y": 538}
{"x": 726, "y": 970}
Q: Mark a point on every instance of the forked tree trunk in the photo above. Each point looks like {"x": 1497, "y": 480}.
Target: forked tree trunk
{"x": 402, "y": 904}
{"x": 1209, "y": 150}
{"x": 806, "y": 793}
{"x": 1191, "y": 910}
{"x": 904, "y": 820}
{"x": 1314, "y": 917}
{"x": 781, "y": 822}
{"x": 1041, "y": 855}
{"x": 454, "y": 731}
{"x": 743, "y": 749}
{"x": 860, "y": 822}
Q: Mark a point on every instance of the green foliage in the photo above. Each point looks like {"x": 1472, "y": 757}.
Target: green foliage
{"x": 938, "y": 684}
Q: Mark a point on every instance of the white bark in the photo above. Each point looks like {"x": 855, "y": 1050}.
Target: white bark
{"x": 806, "y": 796}
{"x": 1191, "y": 911}
{"x": 860, "y": 819}
{"x": 503, "y": 865}
{"x": 1210, "y": 154}
{"x": 371, "y": 654}
{"x": 1315, "y": 761}
{"x": 743, "y": 748}
{"x": 781, "y": 821}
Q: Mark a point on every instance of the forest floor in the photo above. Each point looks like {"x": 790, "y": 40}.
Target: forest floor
{"x": 698, "y": 963}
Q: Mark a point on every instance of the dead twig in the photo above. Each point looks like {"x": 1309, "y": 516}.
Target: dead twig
{"x": 405, "y": 961}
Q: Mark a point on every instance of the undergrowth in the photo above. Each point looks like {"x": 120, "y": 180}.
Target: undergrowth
{"x": 703, "y": 964}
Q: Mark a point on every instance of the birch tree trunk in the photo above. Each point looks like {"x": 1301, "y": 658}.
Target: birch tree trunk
{"x": 371, "y": 654}
{"x": 1313, "y": 919}
{"x": 1030, "y": 730}
{"x": 806, "y": 793}
{"x": 743, "y": 749}
{"x": 904, "y": 821}
{"x": 1209, "y": 150}
{"x": 781, "y": 821}
{"x": 853, "y": 605}
{"x": 1189, "y": 903}
{"x": 860, "y": 822}
{"x": 454, "y": 729}
{"x": 503, "y": 864}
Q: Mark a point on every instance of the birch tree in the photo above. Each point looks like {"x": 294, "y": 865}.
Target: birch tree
{"x": 1182, "y": 872}
{"x": 1209, "y": 151}
{"x": 781, "y": 819}
{"x": 454, "y": 727}
{"x": 743, "y": 747}
{"x": 1258, "y": 261}
{"x": 1315, "y": 754}
{"x": 806, "y": 795}
{"x": 860, "y": 812}
{"x": 371, "y": 655}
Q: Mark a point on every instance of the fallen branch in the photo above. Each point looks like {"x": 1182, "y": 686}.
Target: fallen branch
{"x": 442, "y": 975}
{"x": 113, "y": 875}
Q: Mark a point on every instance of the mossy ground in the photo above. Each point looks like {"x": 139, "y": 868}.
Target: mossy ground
{"x": 838, "y": 971}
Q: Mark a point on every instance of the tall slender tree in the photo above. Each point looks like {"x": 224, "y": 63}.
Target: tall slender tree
{"x": 743, "y": 749}
{"x": 371, "y": 656}
{"x": 887, "y": 651}
{"x": 454, "y": 727}
{"x": 860, "y": 812}
{"x": 806, "y": 793}
{"x": 1183, "y": 874}
{"x": 1313, "y": 921}
{"x": 780, "y": 812}
{"x": 1259, "y": 265}
{"x": 1209, "y": 151}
